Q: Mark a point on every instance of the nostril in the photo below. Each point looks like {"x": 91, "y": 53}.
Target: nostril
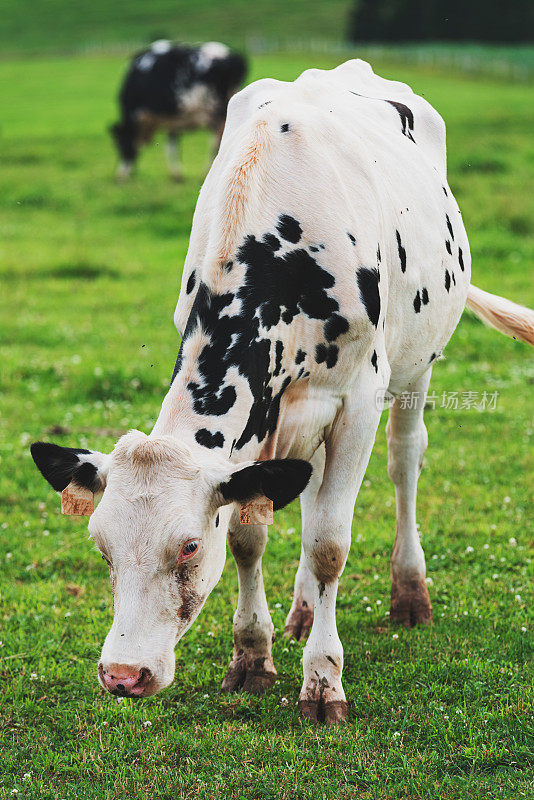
{"x": 144, "y": 677}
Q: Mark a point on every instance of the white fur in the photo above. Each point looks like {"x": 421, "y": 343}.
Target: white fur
{"x": 343, "y": 165}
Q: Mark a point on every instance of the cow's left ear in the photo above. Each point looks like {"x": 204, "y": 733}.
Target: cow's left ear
{"x": 61, "y": 465}
{"x": 281, "y": 480}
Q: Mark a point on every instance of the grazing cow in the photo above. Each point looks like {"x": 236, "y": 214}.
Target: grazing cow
{"x": 177, "y": 88}
{"x": 328, "y": 262}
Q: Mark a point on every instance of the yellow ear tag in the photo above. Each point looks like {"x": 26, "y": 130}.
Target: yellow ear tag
{"x": 257, "y": 512}
{"x": 77, "y": 501}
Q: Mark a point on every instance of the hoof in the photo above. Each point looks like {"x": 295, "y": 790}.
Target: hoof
{"x": 299, "y": 623}
{"x": 410, "y": 604}
{"x": 254, "y": 675}
{"x": 332, "y": 712}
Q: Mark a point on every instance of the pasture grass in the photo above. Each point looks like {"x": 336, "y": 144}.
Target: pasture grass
{"x": 90, "y": 273}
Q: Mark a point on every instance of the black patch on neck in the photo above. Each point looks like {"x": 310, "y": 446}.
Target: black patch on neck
{"x": 417, "y": 302}
{"x": 289, "y": 229}
{"x": 447, "y": 280}
{"x": 424, "y": 296}
{"x": 326, "y": 354}
{"x": 334, "y": 327}
{"x": 191, "y": 282}
{"x": 370, "y": 296}
{"x": 461, "y": 259}
{"x": 402, "y": 252}
{"x": 208, "y": 439}
{"x": 352, "y": 238}
{"x": 301, "y": 355}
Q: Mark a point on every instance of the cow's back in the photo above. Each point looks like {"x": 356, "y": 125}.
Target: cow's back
{"x": 343, "y": 172}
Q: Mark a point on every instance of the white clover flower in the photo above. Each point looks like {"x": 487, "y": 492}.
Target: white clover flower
{"x": 379, "y": 602}
{"x": 210, "y": 633}
{"x": 368, "y": 608}
{"x": 396, "y": 735}
{"x": 518, "y": 598}
{"x": 290, "y": 531}
{"x": 147, "y": 724}
{"x": 375, "y": 577}
{"x": 33, "y": 676}
{"x": 205, "y": 696}
{"x": 365, "y": 599}
{"x": 9, "y": 555}
{"x": 395, "y": 636}
{"x": 507, "y": 499}
{"x": 278, "y": 605}
{"x": 429, "y": 581}
{"x": 284, "y": 701}
{"x": 68, "y": 614}
{"x": 523, "y": 629}
{"x": 495, "y": 576}
{"x": 512, "y": 541}
{"x": 486, "y": 546}
{"x": 469, "y": 549}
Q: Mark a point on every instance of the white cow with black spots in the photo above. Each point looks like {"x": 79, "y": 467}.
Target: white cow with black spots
{"x": 328, "y": 263}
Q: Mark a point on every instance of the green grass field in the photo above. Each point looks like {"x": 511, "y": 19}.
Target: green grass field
{"x": 90, "y": 274}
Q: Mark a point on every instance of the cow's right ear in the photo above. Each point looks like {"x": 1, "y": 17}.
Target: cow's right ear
{"x": 61, "y": 465}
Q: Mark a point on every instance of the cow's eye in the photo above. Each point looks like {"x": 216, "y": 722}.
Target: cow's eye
{"x": 189, "y": 549}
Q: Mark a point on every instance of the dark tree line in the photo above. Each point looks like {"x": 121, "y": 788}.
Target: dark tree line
{"x": 442, "y": 20}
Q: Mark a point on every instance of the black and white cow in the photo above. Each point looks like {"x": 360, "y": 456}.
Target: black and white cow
{"x": 178, "y": 88}
{"x": 328, "y": 262}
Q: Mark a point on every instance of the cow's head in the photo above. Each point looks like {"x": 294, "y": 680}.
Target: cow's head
{"x": 125, "y": 136}
{"x": 161, "y": 527}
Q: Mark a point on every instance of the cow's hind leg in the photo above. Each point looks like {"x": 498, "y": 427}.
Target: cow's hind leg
{"x": 326, "y": 538}
{"x": 407, "y": 441}
{"x": 300, "y": 617}
{"x": 251, "y": 667}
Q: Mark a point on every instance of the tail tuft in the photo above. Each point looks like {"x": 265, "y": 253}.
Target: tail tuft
{"x": 503, "y": 315}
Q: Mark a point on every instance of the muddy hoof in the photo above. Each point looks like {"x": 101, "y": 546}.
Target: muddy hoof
{"x": 299, "y": 622}
{"x": 410, "y": 604}
{"x": 250, "y": 675}
{"x": 332, "y": 712}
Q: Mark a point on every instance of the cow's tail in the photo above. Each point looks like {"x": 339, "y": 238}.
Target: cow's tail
{"x": 503, "y": 315}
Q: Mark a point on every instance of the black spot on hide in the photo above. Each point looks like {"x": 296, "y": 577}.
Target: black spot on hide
{"x": 370, "y": 296}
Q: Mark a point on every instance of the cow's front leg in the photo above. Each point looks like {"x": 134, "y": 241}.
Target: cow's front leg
{"x": 326, "y": 539}
{"x": 173, "y": 157}
{"x": 407, "y": 441}
{"x": 251, "y": 667}
{"x": 300, "y": 617}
